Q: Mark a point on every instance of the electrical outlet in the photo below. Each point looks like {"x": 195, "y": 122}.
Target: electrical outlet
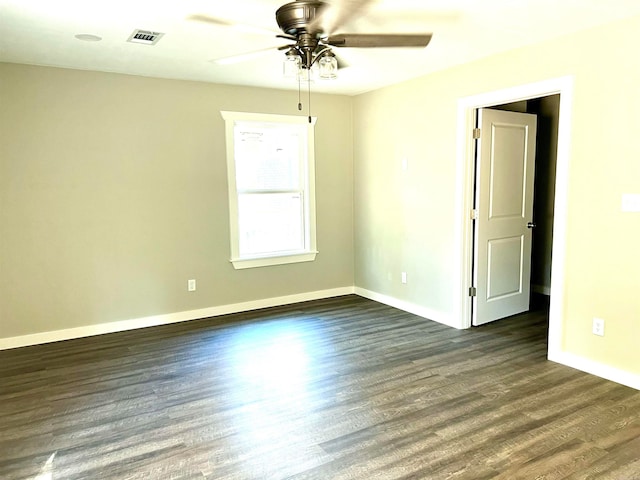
{"x": 404, "y": 277}
{"x": 191, "y": 285}
{"x": 598, "y": 327}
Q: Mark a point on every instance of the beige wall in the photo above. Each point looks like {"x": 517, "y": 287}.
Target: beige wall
{"x": 405, "y": 221}
{"x": 113, "y": 194}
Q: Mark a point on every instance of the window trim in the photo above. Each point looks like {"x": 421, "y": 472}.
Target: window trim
{"x": 285, "y": 257}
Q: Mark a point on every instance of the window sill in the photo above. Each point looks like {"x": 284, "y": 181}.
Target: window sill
{"x": 242, "y": 263}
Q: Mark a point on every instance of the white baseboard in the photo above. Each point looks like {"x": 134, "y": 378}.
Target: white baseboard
{"x": 598, "y": 369}
{"x": 409, "y": 307}
{"x": 155, "y": 320}
{"x": 574, "y": 361}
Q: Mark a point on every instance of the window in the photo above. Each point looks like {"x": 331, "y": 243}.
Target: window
{"x": 270, "y": 166}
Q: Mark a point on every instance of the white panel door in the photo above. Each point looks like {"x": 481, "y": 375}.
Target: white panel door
{"x": 504, "y": 203}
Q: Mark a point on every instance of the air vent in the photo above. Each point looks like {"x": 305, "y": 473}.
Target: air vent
{"x": 145, "y": 37}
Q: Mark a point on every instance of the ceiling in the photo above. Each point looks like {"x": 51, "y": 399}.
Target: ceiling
{"x": 42, "y": 32}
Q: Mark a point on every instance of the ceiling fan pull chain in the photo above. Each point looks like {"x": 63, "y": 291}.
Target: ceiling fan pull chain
{"x": 299, "y": 100}
{"x": 309, "y": 92}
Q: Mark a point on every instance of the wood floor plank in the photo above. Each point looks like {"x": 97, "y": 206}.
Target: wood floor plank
{"x": 335, "y": 389}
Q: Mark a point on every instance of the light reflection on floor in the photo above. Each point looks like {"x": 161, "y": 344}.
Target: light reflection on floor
{"x": 279, "y": 367}
{"x": 46, "y": 473}
{"x": 271, "y": 364}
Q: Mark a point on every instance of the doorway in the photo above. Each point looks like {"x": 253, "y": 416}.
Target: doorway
{"x": 467, "y": 106}
{"x": 531, "y": 282}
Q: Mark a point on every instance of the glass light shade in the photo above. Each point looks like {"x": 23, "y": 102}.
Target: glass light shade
{"x": 305, "y": 74}
{"x": 291, "y": 65}
{"x": 328, "y": 66}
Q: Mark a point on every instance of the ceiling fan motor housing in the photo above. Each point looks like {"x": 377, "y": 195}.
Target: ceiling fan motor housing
{"x": 294, "y": 18}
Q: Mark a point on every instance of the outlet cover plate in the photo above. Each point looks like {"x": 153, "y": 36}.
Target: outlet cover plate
{"x": 631, "y": 202}
{"x": 598, "y": 327}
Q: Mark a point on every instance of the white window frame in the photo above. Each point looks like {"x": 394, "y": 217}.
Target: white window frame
{"x": 308, "y": 253}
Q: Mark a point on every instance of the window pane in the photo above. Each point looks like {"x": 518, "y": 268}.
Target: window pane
{"x": 270, "y": 166}
{"x": 267, "y": 158}
{"x": 270, "y": 222}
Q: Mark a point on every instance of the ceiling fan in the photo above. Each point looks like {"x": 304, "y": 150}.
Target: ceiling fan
{"x": 311, "y": 26}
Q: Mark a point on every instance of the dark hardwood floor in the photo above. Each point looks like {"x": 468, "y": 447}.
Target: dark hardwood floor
{"x": 343, "y": 388}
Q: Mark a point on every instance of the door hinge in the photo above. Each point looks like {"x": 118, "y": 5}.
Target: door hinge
{"x": 476, "y": 133}
{"x": 474, "y": 214}
{"x": 472, "y": 291}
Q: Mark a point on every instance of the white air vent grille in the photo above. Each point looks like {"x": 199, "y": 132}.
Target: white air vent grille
{"x": 145, "y": 37}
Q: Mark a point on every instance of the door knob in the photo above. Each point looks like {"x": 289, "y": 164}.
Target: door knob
{"x": 531, "y": 225}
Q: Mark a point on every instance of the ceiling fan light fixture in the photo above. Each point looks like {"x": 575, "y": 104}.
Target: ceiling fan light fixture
{"x": 328, "y": 66}
{"x": 291, "y": 64}
{"x": 306, "y": 75}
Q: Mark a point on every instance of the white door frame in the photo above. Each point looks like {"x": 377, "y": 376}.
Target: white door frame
{"x": 464, "y": 194}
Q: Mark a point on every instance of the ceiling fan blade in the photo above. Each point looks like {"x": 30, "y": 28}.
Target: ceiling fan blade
{"x": 382, "y": 40}
{"x": 287, "y": 37}
{"x": 208, "y": 19}
{"x": 336, "y": 13}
